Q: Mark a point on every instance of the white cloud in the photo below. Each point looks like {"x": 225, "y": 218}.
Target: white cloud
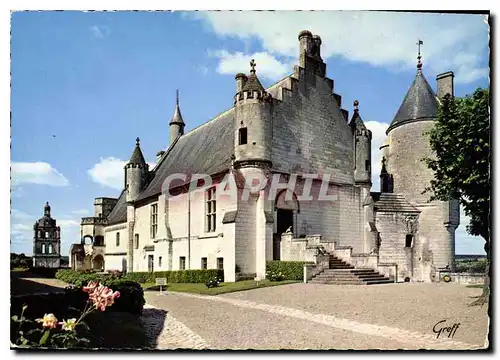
{"x": 378, "y": 136}
{"x": 100, "y": 31}
{"x": 268, "y": 66}
{"x": 108, "y": 172}
{"x": 36, "y": 173}
{"x": 451, "y": 41}
{"x": 21, "y": 215}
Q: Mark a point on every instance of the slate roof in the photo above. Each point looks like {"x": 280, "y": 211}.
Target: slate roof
{"x": 420, "y": 102}
{"x": 253, "y": 84}
{"x": 389, "y": 202}
{"x": 119, "y": 212}
{"x": 137, "y": 157}
{"x": 229, "y": 217}
{"x": 206, "y": 149}
{"x": 177, "y": 118}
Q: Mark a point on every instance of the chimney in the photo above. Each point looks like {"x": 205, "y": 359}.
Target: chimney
{"x": 241, "y": 80}
{"x": 445, "y": 84}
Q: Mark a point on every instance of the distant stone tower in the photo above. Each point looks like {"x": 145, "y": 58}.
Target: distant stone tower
{"x": 405, "y": 172}
{"x": 136, "y": 173}
{"x": 177, "y": 123}
{"x": 46, "y": 241}
{"x": 252, "y": 159}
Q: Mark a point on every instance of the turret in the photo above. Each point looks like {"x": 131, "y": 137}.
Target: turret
{"x": 310, "y": 53}
{"x": 252, "y": 121}
{"x": 136, "y": 172}
{"x": 177, "y": 123}
{"x": 46, "y": 210}
{"x": 362, "y": 148}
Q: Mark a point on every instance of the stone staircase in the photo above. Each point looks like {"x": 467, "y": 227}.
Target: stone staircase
{"x": 342, "y": 273}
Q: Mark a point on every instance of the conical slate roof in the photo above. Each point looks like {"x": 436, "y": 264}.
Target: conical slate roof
{"x": 419, "y": 103}
{"x": 177, "y": 118}
{"x": 137, "y": 158}
{"x": 253, "y": 84}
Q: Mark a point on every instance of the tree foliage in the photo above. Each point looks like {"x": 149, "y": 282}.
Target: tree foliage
{"x": 461, "y": 143}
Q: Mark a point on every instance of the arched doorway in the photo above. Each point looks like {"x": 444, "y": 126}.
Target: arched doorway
{"x": 287, "y": 208}
{"x": 98, "y": 262}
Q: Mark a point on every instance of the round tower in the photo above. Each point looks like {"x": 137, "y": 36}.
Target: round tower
{"x": 362, "y": 149}
{"x": 252, "y": 122}
{"x": 176, "y": 123}
{"x": 406, "y": 146}
{"x": 136, "y": 171}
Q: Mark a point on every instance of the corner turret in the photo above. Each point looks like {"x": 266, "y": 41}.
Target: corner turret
{"x": 177, "y": 123}
{"x": 252, "y": 121}
{"x": 362, "y": 148}
{"x": 136, "y": 171}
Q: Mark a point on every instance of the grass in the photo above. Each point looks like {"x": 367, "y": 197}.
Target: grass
{"x": 223, "y": 288}
{"x": 476, "y": 286}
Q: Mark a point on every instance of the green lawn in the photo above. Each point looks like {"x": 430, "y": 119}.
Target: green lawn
{"x": 223, "y": 288}
{"x": 477, "y": 286}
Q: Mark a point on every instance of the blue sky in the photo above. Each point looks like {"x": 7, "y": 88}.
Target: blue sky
{"x": 85, "y": 85}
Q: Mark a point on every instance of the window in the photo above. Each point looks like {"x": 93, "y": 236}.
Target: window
{"x": 117, "y": 239}
{"x": 159, "y": 261}
{"x": 137, "y": 241}
{"x": 154, "y": 220}
{"x": 242, "y": 136}
{"x": 210, "y": 223}
{"x": 220, "y": 263}
{"x": 39, "y": 234}
{"x": 182, "y": 263}
{"x": 367, "y": 165}
{"x": 43, "y": 248}
{"x": 203, "y": 263}
{"x": 47, "y": 235}
{"x": 50, "y": 249}
{"x": 409, "y": 239}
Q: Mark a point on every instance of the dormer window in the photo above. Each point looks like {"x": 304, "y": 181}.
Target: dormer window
{"x": 242, "y": 136}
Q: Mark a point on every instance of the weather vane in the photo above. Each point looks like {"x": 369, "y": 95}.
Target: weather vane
{"x": 419, "y": 63}
{"x": 252, "y": 65}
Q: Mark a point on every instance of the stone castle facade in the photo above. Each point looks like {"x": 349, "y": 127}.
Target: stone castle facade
{"x": 297, "y": 133}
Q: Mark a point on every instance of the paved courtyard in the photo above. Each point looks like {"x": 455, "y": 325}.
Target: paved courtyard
{"x": 314, "y": 316}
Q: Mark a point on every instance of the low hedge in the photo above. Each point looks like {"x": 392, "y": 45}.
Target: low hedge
{"x": 131, "y": 294}
{"x": 291, "y": 270}
{"x": 180, "y": 276}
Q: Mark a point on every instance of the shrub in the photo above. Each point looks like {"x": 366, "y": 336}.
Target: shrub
{"x": 180, "y": 276}
{"x": 275, "y": 276}
{"x": 132, "y": 295}
{"x": 474, "y": 266}
{"x": 214, "y": 282}
{"x": 289, "y": 270}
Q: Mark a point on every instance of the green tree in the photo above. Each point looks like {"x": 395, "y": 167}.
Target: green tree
{"x": 460, "y": 140}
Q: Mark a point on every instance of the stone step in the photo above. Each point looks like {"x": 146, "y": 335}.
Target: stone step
{"x": 336, "y": 282}
{"x": 374, "y": 282}
{"x": 350, "y": 270}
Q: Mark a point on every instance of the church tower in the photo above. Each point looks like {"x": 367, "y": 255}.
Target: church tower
{"x": 46, "y": 241}
{"x": 407, "y": 145}
{"x": 177, "y": 123}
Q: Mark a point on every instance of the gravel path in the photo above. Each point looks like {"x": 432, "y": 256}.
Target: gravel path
{"x": 310, "y": 316}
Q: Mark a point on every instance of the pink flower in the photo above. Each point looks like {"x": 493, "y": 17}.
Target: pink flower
{"x": 102, "y": 296}
{"x": 48, "y": 321}
{"x": 91, "y": 286}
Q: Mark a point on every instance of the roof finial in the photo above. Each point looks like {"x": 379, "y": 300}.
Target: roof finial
{"x": 137, "y": 140}
{"x": 356, "y": 104}
{"x": 419, "y": 57}
{"x": 252, "y": 65}
{"x": 177, "y": 97}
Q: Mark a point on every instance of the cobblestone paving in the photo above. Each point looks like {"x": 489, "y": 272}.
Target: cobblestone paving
{"x": 165, "y": 332}
{"x": 307, "y": 316}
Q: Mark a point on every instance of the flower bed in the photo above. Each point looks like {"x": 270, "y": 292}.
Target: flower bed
{"x": 73, "y": 307}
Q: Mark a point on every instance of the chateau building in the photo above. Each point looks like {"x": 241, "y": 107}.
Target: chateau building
{"x": 295, "y": 134}
{"x": 46, "y": 241}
